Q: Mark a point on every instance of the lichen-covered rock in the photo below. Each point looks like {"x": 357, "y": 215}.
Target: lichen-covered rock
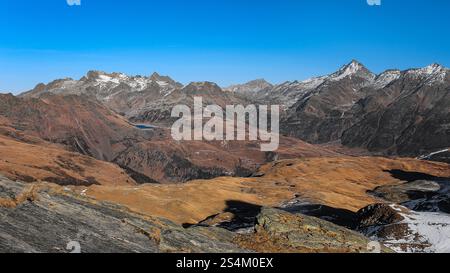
{"x": 279, "y": 231}
{"x": 47, "y": 218}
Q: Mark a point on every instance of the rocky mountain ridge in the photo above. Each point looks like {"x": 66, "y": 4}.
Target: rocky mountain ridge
{"x": 396, "y": 112}
{"x": 393, "y": 113}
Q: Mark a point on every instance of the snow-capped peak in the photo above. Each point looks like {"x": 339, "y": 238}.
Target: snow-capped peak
{"x": 137, "y": 83}
{"x": 432, "y": 73}
{"x": 354, "y": 68}
{"x": 105, "y": 85}
{"x": 433, "y": 68}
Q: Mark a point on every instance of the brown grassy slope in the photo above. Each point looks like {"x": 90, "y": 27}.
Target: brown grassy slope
{"x": 336, "y": 182}
{"x": 37, "y": 160}
{"x": 84, "y": 125}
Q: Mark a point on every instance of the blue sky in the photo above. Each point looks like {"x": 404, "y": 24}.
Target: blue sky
{"x": 225, "y": 41}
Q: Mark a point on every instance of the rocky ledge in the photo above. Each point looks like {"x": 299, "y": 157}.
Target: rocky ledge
{"x": 45, "y": 218}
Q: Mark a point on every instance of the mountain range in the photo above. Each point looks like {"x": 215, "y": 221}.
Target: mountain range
{"x": 393, "y": 113}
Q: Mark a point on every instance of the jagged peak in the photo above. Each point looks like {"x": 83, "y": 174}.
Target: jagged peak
{"x": 433, "y": 68}
{"x": 354, "y": 63}
{"x": 155, "y": 75}
{"x": 354, "y": 68}
{"x": 159, "y": 78}
{"x": 435, "y": 65}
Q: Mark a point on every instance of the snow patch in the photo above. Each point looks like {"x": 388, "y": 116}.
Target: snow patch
{"x": 424, "y": 157}
{"x": 429, "y": 231}
{"x": 386, "y": 78}
{"x": 434, "y": 73}
{"x": 107, "y": 79}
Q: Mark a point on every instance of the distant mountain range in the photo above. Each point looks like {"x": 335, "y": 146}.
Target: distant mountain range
{"x": 394, "y": 113}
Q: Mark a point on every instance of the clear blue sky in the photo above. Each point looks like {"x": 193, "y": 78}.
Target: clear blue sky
{"x": 226, "y": 41}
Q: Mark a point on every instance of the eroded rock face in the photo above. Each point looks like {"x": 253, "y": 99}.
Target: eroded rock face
{"x": 408, "y": 117}
{"x": 80, "y": 123}
{"x": 320, "y": 114}
{"x": 396, "y": 112}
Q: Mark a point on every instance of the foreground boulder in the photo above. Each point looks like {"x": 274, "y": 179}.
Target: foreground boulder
{"x": 280, "y": 231}
{"x": 420, "y": 195}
